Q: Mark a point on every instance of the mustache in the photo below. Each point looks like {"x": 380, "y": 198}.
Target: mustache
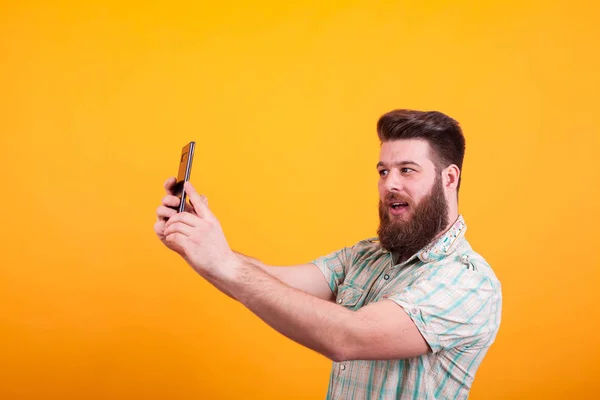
{"x": 397, "y": 197}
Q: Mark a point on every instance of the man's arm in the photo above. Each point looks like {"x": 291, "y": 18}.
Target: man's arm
{"x": 305, "y": 277}
{"x": 380, "y": 330}
{"x": 377, "y": 331}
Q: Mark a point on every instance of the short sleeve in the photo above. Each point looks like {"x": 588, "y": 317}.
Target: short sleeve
{"x": 334, "y": 267}
{"x": 452, "y": 306}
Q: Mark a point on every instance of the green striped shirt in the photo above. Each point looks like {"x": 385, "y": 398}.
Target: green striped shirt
{"x": 451, "y": 294}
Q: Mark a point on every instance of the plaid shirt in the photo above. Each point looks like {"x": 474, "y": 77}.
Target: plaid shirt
{"x": 450, "y": 293}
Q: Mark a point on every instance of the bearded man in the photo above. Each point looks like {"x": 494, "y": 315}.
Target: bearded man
{"x": 409, "y": 314}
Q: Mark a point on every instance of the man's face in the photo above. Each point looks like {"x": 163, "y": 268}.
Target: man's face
{"x": 412, "y": 205}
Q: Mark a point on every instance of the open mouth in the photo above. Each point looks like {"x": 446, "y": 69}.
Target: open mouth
{"x": 398, "y": 208}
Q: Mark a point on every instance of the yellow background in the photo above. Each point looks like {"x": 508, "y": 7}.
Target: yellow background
{"x": 97, "y": 99}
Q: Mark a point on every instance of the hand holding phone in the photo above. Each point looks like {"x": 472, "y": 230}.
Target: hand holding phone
{"x": 184, "y": 172}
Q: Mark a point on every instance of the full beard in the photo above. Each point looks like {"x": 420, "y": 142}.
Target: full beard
{"x": 425, "y": 222}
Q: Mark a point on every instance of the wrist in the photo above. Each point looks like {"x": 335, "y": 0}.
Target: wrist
{"x": 232, "y": 269}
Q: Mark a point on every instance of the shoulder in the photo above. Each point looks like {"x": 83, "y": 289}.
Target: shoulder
{"x": 368, "y": 252}
{"x": 476, "y": 262}
{"x": 361, "y": 252}
{"x": 465, "y": 269}
{"x": 363, "y": 255}
{"x": 367, "y": 246}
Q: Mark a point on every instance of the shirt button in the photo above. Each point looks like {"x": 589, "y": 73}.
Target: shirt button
{"x": 339, "y": 301}
{"x": 342, "y": 367}
{"x": 386, "y": 277}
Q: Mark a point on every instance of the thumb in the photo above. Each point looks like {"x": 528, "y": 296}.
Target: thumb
{"x": 199, "y": 201}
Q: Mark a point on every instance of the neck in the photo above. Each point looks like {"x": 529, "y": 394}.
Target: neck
{"x": 451, "y": 220}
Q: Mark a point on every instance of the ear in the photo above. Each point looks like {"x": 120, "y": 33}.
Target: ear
{"x": 450, "y": 176}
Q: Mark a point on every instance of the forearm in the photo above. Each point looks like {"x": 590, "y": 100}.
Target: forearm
{"x": 244, "y": 258}
{"x": 251, "y": 260}
{"x": 315, "y": 323}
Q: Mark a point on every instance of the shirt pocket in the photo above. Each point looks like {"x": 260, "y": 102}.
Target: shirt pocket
{"x": 349, "y": 296}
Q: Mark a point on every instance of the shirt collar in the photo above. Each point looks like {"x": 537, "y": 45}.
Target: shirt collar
{"x": 446, "y": 244}
{"x": 441, "y": 247}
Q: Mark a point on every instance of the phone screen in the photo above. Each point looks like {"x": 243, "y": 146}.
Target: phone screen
{"x": 184, "y": 172}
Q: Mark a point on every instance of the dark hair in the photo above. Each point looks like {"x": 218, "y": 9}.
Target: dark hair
{"x": 443, "y": 134}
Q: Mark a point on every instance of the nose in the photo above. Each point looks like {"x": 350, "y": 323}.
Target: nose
{"x": 393, "y": 181}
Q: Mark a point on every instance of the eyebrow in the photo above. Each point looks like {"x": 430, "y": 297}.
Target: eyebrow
{"x": 398, "y": 164}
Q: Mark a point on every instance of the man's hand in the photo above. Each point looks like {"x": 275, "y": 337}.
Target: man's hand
{"x": 168, "y": 208}
{"x": 198, "y": 237}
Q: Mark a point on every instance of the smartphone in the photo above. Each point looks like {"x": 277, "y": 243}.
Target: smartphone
{"x": 183, "y": 174}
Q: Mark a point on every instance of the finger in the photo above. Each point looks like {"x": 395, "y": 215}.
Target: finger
{"x": 169, "y": 184}
{"x": 179, "y": 227}
{"x": 189, "y": 208}
{"x": 176, "y": 239}
{"x": 164, "y": 212}
{"x": 183, "y": 217}
{"x": 159, "y": 228}
{"x": 199, "y": 202}
{"x": 171, "y": 201}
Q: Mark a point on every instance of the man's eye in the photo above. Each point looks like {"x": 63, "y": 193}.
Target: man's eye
{"x": 406, "y": 170}
{"x": 383, "y": 172}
